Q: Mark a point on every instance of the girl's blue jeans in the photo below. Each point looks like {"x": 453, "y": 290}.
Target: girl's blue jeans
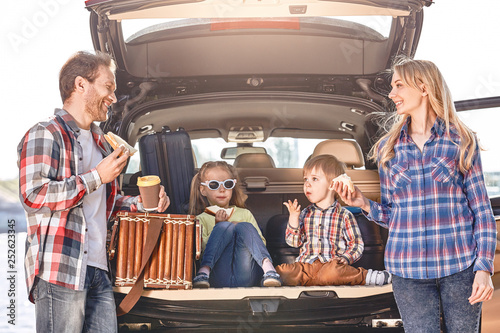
{"x": 234, "y": 253}
{"x": 420, "y": 303}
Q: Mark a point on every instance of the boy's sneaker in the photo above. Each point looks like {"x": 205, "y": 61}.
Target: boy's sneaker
{"x": 271, "y": 279}
{"x": 201, "y": 281}
{"x": 378, "y": 278}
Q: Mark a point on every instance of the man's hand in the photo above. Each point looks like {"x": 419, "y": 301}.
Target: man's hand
{"x": 164, "y": 201}
{"x": 111, "y": 166}
{"x": 482, "y": 288}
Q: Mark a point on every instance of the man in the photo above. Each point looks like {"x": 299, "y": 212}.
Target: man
{"x": 68, "y": 188}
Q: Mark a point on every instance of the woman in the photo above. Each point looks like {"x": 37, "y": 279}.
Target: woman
{"x": 442, "y": 233}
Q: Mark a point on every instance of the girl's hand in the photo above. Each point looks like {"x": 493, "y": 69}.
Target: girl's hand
{"x": 356, "y": 198}
{"x": 482, "y": 288}
{"x": 220, "y": 216}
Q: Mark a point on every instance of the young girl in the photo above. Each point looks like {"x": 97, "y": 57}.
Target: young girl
{"x": 442, "y": 233}
{"x": 234, "y": 250}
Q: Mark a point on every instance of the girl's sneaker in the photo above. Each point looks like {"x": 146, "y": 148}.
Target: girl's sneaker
{"x": 271, "y": 279}
{"x": 201, "y": 281}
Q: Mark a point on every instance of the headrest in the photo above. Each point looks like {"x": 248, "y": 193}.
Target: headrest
{"x": 254, "y": 160}
{"x": 347, "y": 151}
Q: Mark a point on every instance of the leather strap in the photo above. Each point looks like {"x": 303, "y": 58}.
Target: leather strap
{"x": 112, "y": 242}
{"x": 135, "y": 293}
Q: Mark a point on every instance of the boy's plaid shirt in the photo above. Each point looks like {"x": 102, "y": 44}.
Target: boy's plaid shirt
{"x": 440, "y": 220}
{"x": 326, "y": 234}
{"x": 52, "y": 187}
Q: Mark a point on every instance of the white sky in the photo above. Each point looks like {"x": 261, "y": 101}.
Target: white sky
{"x": 37, "y": 36}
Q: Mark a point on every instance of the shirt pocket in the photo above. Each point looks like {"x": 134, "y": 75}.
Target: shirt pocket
{"x": 443, "y": 169}
{"x": 400, "y": 174}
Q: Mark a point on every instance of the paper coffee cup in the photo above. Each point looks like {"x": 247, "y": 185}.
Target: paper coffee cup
{"x": 149, "y": 187}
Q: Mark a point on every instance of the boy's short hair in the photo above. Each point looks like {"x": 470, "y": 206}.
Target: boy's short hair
{"x": 329, "y": 164}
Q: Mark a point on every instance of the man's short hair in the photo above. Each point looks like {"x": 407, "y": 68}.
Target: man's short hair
{"x": 84, "y": 64}
{"x": 329, "y": 164}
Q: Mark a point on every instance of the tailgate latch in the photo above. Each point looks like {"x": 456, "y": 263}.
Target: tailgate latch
{"x": 266, "y": 305}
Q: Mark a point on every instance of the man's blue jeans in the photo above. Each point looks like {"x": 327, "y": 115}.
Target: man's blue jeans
{"x": 234, "y": 253}
{"x": 59, "y": 309}
{"x": 420, "y": 303}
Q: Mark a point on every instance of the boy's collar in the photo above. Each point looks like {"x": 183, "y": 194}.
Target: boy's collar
{"x": 335, "y": 204}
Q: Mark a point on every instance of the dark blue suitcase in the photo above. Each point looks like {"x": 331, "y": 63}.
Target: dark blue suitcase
{"x": 169, "y": 155}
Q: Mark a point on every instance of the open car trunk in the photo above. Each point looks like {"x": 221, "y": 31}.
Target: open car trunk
{"x": 271, "y": 69}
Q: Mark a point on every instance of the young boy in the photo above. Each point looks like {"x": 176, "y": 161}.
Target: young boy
{"x": 327, "y": 233}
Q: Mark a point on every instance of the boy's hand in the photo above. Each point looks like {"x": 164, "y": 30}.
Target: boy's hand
{"x": 342, "y": 260}
{"x": 220, "y": 216}
{"x": 294, "y": 210}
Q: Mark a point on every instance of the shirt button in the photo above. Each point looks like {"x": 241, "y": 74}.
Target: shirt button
{"x": 86, "y": 229}
{"x": 85, "y": 252}
{"x": 81, "y": 158}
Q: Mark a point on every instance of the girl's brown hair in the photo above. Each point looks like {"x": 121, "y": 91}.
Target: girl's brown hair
{"x": 414, "y": 73}
{"x": 198, "y": 203}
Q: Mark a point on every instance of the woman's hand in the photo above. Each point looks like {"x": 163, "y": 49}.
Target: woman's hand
{"x": 356, "y": 198}
{"x": 482, "y": 288}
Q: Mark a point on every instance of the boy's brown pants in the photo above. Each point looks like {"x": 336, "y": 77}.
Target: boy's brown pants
{"x": 331, "y": 273}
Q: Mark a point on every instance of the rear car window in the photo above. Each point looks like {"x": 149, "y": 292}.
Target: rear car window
{"x": 286, "y": 152}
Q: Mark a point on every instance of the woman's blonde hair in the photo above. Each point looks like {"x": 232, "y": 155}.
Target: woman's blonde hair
{"x": 415, "y": 73}
{"x": 198, "y": 203}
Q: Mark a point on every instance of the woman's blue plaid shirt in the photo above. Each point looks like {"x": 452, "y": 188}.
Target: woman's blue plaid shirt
{"x": 440, "y": 220}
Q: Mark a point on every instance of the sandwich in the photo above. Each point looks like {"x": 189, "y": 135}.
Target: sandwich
{"x": 345, "y": 180}
{"x": 115, "y": 141}
{"x": 212, "y": 210}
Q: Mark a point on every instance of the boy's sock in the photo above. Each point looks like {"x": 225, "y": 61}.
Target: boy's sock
{"x": 267, "y": 265}
{"x": 378, "y": 278}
